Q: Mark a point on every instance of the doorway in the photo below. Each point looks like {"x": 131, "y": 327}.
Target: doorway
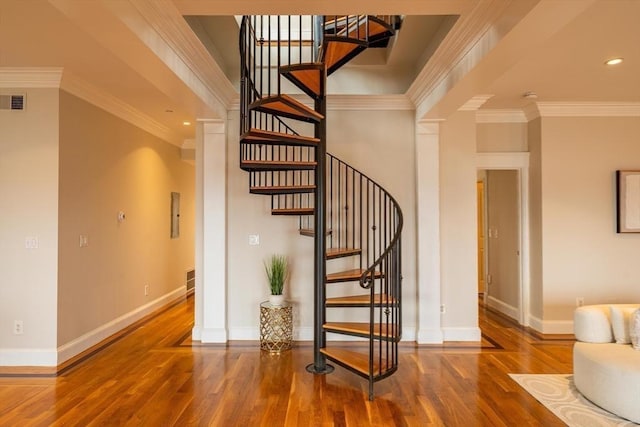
{"x": 503, "y": 226}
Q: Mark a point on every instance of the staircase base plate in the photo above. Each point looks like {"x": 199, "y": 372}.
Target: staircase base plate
{"x": 327, "y": 369}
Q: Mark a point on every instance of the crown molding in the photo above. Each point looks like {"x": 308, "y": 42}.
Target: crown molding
{"x": 475, "y": 103}
{"x": 588, "y": 109}
{"x": 30, "y": 77}
{"x": 501, "y": 116}
{"x": 118, "y": 108}
{"x": 465, "y": 34}
{"x": 369, "y": 102}
{"x": 207, "y": 79}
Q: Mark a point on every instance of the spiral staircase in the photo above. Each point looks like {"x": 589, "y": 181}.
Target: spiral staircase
{"x": 356, "y": 225}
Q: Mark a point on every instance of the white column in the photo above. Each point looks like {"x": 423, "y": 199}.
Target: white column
{"x": 211, "y": 230}
{"x": 428, "y": 215}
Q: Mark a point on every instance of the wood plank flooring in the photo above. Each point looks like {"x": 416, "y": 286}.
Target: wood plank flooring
{"x": 155, "y": 376}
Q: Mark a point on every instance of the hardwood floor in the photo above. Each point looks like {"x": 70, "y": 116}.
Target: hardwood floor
{"x": 154, "y": 376}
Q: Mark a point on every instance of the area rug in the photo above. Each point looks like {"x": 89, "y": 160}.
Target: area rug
{"x": 558, "y": 394}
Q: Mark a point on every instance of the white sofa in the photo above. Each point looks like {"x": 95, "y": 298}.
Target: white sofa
{"x": 605, "y": 372}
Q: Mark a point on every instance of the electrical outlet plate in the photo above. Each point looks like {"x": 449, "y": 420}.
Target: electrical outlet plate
{"x": 18, "y": 327}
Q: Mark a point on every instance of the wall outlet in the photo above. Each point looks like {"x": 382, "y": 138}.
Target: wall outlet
{"x": 443, "y": 309}
{"x": 579, "y": 301}
{"x": 146, "y": 290}
{"x": 18, "y": 327}
{"x": 31, "y": 242}
{"x": 254, "y": 239}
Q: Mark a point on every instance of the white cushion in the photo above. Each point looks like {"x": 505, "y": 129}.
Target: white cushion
{"x": 620, "y": 316}
{"x": 591, "y": 324}
{"x": 634, "y": 329}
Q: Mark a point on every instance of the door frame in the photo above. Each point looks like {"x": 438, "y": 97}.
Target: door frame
{"x": 519, "y": 162}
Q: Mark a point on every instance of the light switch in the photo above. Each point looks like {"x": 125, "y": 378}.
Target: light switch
{"x": 254, "y": 239}
{"x": 31, "y": 243}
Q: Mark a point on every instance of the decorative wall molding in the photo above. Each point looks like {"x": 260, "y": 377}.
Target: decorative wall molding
{"x": 118, "y": 108}
{"x": 475, "y": 103}
{"x": 501, "y": 116}
{"x": 559, "y": 327}
{"x": 168, "y": 22}
{"x": 30, "y": 77}
{"x": 466, "y": 33}
{"x": 91, "y": 338}
{"x": 588, "y": 109}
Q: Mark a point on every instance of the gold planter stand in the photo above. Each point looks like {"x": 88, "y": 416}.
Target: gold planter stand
{"x": 276, "y": 327}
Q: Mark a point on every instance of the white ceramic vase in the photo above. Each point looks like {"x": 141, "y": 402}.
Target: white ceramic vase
{"x": 277, "y": 300}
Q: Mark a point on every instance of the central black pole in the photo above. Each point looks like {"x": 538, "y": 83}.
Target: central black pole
{"x": 320, "y": 365}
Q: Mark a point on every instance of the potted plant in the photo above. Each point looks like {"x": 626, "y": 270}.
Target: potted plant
{"x": 276, "y": 268}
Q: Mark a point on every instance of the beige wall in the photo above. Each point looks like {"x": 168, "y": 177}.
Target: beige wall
{"x": 502, "y": 137}
{"x": 107, "y": 166}
{"x": 458, "y": 222}
{"x": 535, "y": 217}
{"x": 583, "y": 255}
{"x": 381, "y": 145}
{"x": 29, "y": 208}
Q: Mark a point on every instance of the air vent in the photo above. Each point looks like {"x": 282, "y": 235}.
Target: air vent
{"x": 12, "y": 102}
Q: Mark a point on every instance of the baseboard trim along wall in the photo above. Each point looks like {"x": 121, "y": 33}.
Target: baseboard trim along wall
{"x": 551, "y": 327}
{"x": 28, "y": 357}
{"x": 504, "y": 308}
{"x": 461, "y": 334}
{"x": 80, "y": 344}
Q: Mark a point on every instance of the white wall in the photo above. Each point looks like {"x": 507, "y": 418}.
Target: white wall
{"x": 501, "y": 137}
{"x": 458, "y": 227}
{"x": 29, "y": 208}
{"x": 108, "y": 165}
{"x": 583, "y": 256}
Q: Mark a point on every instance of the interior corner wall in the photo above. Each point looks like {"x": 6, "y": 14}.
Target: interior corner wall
{"x": 29, "y": 211}
{"x": 534, "y": 138}
{"x": 108, "y": 165}
{"x": 458, "y": 227}
{"x": 583, "y": 255}
{"x": 378, "y": 143}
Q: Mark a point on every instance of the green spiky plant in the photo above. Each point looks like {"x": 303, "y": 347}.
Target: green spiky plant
{"x": 276, "y": 269}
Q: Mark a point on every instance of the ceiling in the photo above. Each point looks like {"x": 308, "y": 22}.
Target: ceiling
{"x": 143, "y": 60}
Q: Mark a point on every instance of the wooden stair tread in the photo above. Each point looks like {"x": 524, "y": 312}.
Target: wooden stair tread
{"x": 358, "y": 28}
{"x": 333, "y": 253}
{"x": 271, "y": 137}
{"x": 353, "y": 359}
{"x": 283, "y": 189}
{"x": 286, "y": 106}
{"x": 306, "y": 76}
{"x": 360, "y": 300}
{"x": 360, "y": 329}
{"x": 337, "y": 52}
{"x": 349, "y": 276}
{"x": 276, "y": 165}
{"x": 310, "y": 232}
{"x": 292, "y": 211}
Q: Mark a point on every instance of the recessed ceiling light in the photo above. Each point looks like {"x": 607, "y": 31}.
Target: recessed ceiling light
{"x": 614, "y": 61}
{"x": 186, "y": 123}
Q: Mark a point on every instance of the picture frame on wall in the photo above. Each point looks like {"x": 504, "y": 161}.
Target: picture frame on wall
{"x": 628, "y": 201}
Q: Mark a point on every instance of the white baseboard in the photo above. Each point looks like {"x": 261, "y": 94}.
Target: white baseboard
{"x": 91, "y": 338}
{"x": 430, "y": 336}
{"x": 212, "y": 335}
{"x": 305, "y": 333}
{"x": 504, "y": 308}
{"x": 461, "y": 334}
{"x": 28, "y": 357}
{"x": 551, "y": 326}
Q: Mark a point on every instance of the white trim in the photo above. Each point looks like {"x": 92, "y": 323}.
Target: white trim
{"x": 589, "y": 109}
{"x": 503, "y": 307}
{"x": 429, "y": 336}
{"x": 551, "y": 326}
{"x": 211, "y": 335}
{"x": 118, "y": 108}
{"x": 519, "y": 162}
{"x": 501, "y": 116}
{"x": 475, "y": 103}
{"x": 369, "y": 102}
{"x": 30, "y": 77}
{"x": 461, "y": 334}
{"x": 91, "y": 338}
{"x": 28, "y": 357}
